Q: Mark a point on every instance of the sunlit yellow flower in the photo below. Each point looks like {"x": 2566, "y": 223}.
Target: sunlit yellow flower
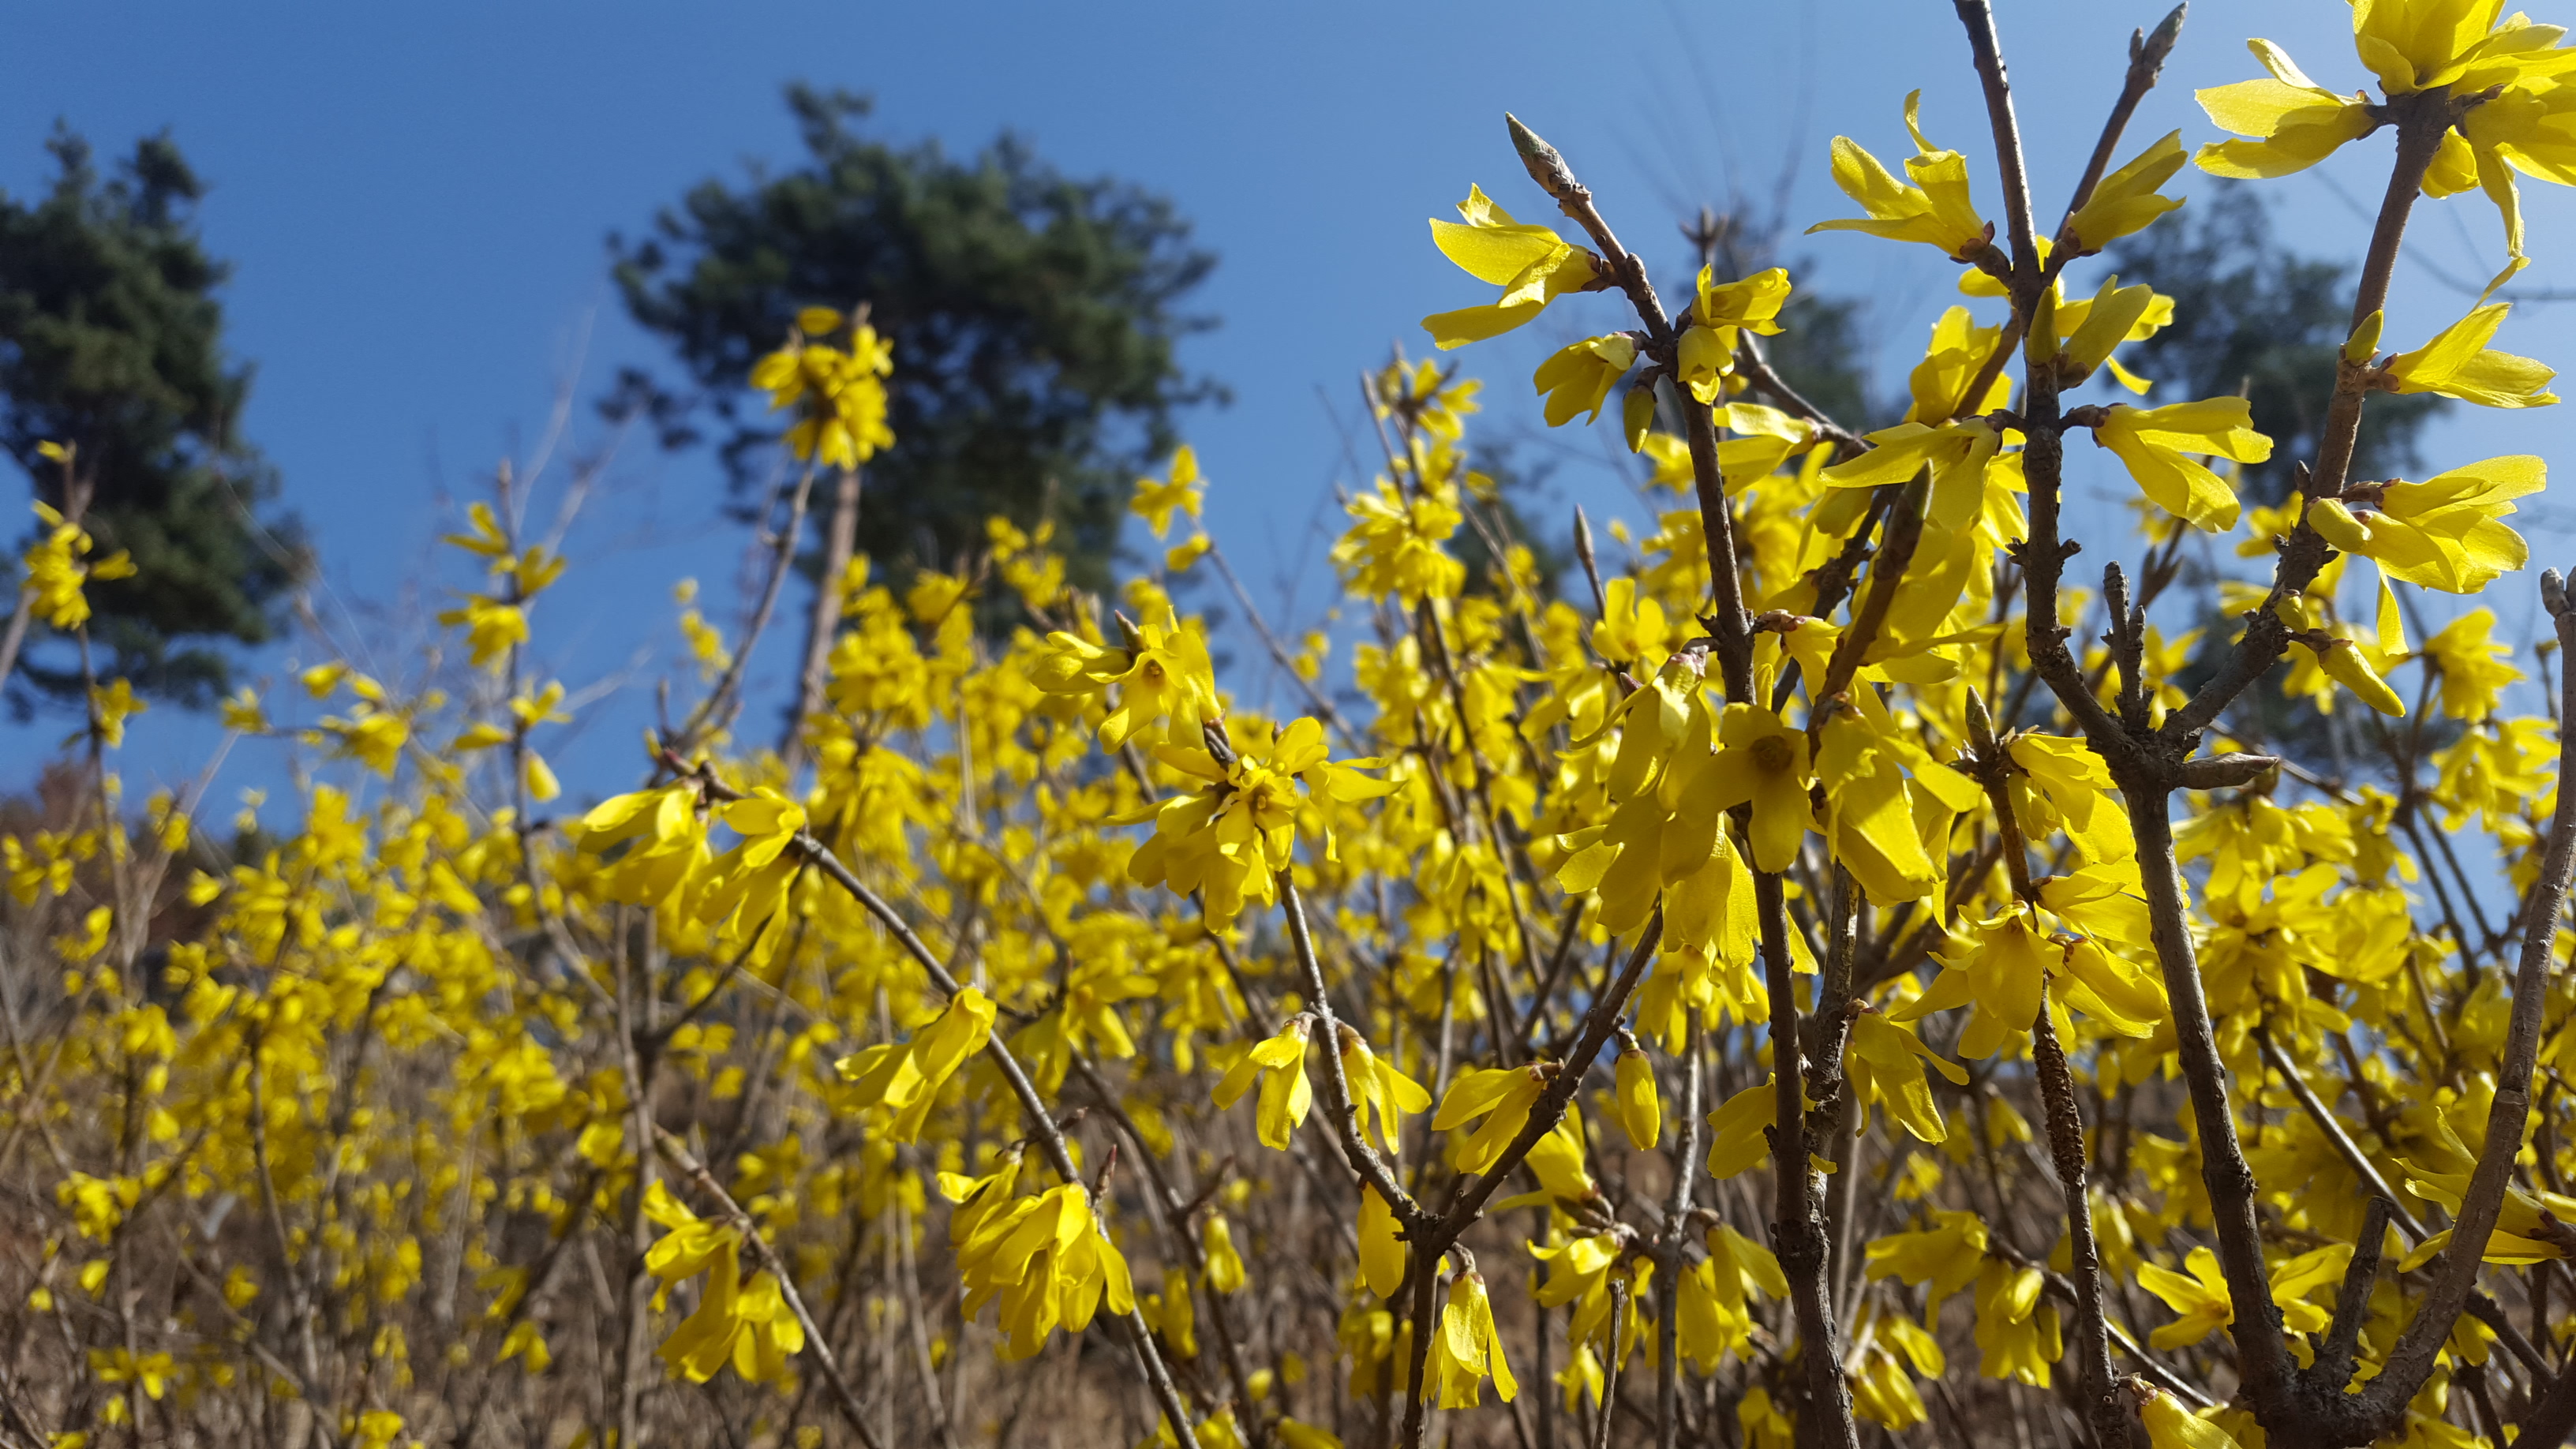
{"x": 1468, "y": 1348}
{"x": 1641, "y": 1116}
{"x": 2199, "y": 1296}
{"x": 1157, "y": 499}
{"x": 1740, "y": 1130}
{"x": 492, "y": 628}
{"x": 1164, "y": 679}
{"x": 1224, "y": 1264}
{"x": 2414, "y": 45}
{"x": 2294, "y": 122}
{"x": 2155, "y": 445}
{"x": 371, "y": 735}
{"x": 2441, "y": 533}
{"x": 110, "y": 704}
{"x": 2458, "y": 363}
{"x": 1762, "y": 762}
{"x": 1382, "y": 1093}
{"x": 1578, "y": 378}
{"x": 1885, "y": 1063}
{"x": 1393, "y": 546}
{"x": 905, "y": 1077}
{"x": 1286, "y": 1094}
{"x": 749, "y": 882}
{"x": 1720, "y": 313}
{"x": 1047, "y": 1262}
{"x": 1382, "y": 1253}
{"x": 56, "y": 570}
{"x": 2016, "y": 1332}
{"x": 841, "y": 394}
{"x": 2171, "y": 1426}
{"x": 1946, "y": 1255}
{"x": 1502, "y": 1096}
{"x": 1956, "y": 453}
{"x": 1532, "y": 264}
{"x": 665, "y": 843}
{"x": 2127, "y": 200}
{"x": 1932, "y": 206}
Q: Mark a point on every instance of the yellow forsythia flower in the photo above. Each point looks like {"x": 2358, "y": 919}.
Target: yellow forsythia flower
{"x": 1467, "y": 1348}
{"x": 1502, "y": 1096}
{"x": 1286, "y": 1095}
{"x": 1532, "y": 264}
{"x": 1641, "y": 1116}
{"x": 905, "y": 1077}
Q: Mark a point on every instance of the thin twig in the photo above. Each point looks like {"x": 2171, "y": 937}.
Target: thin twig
{"x": 843, "y": 1396}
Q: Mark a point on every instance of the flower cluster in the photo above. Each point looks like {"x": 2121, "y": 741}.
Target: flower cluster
{"x": 1858, "y": 975}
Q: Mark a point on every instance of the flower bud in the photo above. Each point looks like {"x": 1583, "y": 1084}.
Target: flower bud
{"x": 1641, "y": 1114}
{"x": 2338, "y": 525}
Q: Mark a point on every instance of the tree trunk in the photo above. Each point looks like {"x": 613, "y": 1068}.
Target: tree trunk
{"x": 840, "y": 540}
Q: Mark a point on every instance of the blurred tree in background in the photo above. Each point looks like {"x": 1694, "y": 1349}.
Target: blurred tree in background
{"x": 2254, "y": 316}
{"x": 1034, "y": 319}
{"x": 111, "y": 341}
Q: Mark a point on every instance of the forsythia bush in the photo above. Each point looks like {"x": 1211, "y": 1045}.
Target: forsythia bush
{"x": 1828, "y": 972}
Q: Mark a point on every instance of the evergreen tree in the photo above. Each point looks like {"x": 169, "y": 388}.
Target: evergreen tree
{"x": 1033, "y": 318}
{"x": 111, "y": 340}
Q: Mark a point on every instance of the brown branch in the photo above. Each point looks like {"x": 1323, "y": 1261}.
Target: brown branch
{"x": 1610, "y": 1371}
{"x": 2263, "y": 1355}
{"x": 2337, "y": 1358}
{"x": 2455, "y": 1275}
{"x": 1549, "y": 1109}
{"x": 2423, "y": 119}
{"x": 1798, "y": 1225}
{"x": 2106, "y": 1410}
{"x": 840, "y": 542}
{"x": 1668, "y": 1249}
{"x": 2333, "y": 1129}
{"x": 1886, "y": 574}
{"x": 1979, "y": 18}
{"x": 16, "y": 637}
{"x": 2552, "y": 1420}
{"x": 1338, "y": 1101}
{"x": 1426, "y": 1283}
{"x": 1800, "y": 1228}
{"x": 2147, "y": 53}
{"x": 1733, "y": 630}
{"x": 844, "y": 1397}
{"x": 1440, "y": 1236}
{"x": 718, "y": 707}
{"x": 1176, "y": 1212}
{"x": 2482, "y": 1307}
{"x": 1754, "y": 365}
{"x": 2146, "y": 780}
{"x": 1042, "y": 1124}
{"x": 1555, "y": 967}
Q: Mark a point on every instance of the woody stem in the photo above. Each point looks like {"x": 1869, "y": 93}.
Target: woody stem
{"x": 2422, "y": 121}
{"x": 2106, "y": 1409}
{"x": 1140, "y": 1343}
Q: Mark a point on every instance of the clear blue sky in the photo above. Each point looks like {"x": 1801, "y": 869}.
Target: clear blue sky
{"x": 416, "y": 200}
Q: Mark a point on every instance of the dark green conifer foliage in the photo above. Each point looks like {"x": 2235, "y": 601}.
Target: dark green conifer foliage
{"x": 1033, "y": 318}
{"x": 111, "y": 340}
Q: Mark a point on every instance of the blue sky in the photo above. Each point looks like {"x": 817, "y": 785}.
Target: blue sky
{"x": 416, "y": 202}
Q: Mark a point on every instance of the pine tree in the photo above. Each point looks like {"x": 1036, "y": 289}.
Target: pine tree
{"x": 1033, "y": 318}
{"x": 111, "y": 341}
